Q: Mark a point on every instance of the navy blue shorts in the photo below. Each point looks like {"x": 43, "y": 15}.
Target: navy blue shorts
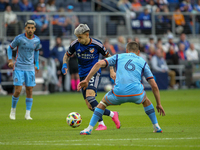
{"x": 93, "y": 84}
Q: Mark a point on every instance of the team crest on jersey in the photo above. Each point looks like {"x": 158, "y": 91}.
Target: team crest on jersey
{"x": 78, "y": 50}
{"x": 16, "y": 80}
{"x": 91, "y": 50}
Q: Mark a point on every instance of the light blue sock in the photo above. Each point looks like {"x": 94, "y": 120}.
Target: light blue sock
{"x": 14, "y": 101}
{"x": 96, "y": 116}
{"x": 29, "y": 102}
{"x": 149, "y": 110}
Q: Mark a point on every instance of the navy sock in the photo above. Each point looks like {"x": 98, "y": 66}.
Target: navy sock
{"x": 93, "y": 102}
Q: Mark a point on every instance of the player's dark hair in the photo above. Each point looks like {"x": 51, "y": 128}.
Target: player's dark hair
{"x": 132, "y": 46}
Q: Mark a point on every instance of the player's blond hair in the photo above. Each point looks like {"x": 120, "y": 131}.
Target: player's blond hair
{"x": 81, "y": 29}
{"x": 132, "y": 46}
{"x": 30, "y": 22}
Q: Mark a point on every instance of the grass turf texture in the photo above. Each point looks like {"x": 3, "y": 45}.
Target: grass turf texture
{"x": 49, "y": 130}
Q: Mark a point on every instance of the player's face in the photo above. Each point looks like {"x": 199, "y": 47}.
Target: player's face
{"x": 83, "y": 38}
{"x": 30, "y": 29}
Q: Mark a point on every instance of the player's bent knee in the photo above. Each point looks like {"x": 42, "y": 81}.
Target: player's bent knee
{"x": 17, "y": 93}
{"x": 101, "y": 102}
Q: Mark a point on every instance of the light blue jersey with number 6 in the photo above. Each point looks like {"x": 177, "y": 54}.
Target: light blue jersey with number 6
{"x": 129, "y": 71}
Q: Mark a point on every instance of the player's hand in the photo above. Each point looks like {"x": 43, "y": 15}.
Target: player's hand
{"x": 64, "y": 69}
{"x": 10, "y": 65}
{"x": 83, "y": 84}
{"x": 36, "y": 70}
{"x": 113, "y": 75}
{"x": 160, "y": 110}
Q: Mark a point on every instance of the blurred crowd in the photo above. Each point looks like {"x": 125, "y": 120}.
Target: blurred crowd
{"x": 159, "y": 55}
{"x": 63, "y": 24}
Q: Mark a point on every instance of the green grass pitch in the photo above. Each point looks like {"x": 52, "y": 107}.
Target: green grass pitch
{"x": 49, "y": 131}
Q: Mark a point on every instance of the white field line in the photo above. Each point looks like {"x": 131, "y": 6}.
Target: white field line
{"x": 70, "y": 142}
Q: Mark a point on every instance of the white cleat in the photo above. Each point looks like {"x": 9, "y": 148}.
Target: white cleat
{"x": 12, "y": 116}
{"x": 28, "y": 117}
{"x": 12, "y": 113}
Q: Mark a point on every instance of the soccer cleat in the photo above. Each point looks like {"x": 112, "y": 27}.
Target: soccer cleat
{"x": 12, "y": 113}
{"x": 115, "y": 118}
{"x": 86, "y": 132}
{"x": 28, "y": 117}
{"x": 12, "y": 116}
{"x": 101, "y": 127}
{"x": 158, "y": 130}
{"x": 2, "y": 92}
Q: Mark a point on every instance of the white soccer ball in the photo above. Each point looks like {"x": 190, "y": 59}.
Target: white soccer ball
{"x": 108, "y": 87}
{"x": 74, "y": 119}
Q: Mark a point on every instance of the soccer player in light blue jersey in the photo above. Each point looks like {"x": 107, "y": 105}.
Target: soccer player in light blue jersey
{"x": 87, "y": 51}
{"x": 27, "y": 45}
{"x": 128, "y": 87}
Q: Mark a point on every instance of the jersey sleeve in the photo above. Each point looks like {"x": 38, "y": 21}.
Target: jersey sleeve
{"x": 111, "y": 61}
{"x": 15, "y": 42}
{"x": 71, "y": 48}
{"x": 103, "y": 51}
{"x": 147, "y": 72}
{"x": 37, "y": 46}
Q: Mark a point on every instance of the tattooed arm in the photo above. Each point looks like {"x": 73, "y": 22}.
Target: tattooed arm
{"x": 65, "y": 64}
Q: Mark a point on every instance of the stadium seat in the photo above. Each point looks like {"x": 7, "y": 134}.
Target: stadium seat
{"x": 86, "y": 7}
{"x": 172, "y": 6}
{"x": 91, "y": 26}
{"x": 84, "y": 19}
{"x": 111, "y": 28}
{"x": 77, "y": 7}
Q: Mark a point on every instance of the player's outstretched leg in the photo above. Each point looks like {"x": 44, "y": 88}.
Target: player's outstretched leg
{"x": 96, "y": 116}
{"x": 29, "y": 102}
{"x": 93, "y": 102}
{"x": 113, "y": 114}
{"x": 13, "y": 108}
{"x": 149, "y": 110}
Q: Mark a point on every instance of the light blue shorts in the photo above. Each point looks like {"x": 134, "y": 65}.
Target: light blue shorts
{"x": 112, "y": 99}
{"x": 19, "y": 77}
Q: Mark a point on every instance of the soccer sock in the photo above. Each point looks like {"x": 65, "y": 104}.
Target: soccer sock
{"x": 73, "y": 84}
{"x": 101, "y": 123}
{"x": 77, "y": 82}
{"x": 149, "y": 110}
{"x": 14, "y": 101}
{"x": 29, "y": 102}
{"x": 94, "y": 103}
{"x": 111, "y": 114}
{"x": 96, "y": 116}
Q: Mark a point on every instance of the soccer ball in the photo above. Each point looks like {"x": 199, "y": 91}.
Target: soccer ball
{"x": 108, "y": 87}
{"x": 74, "y": 119}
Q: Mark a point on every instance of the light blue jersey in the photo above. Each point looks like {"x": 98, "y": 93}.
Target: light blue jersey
{"x": 25, "y": 52}
{"x": 129, "y": 71}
